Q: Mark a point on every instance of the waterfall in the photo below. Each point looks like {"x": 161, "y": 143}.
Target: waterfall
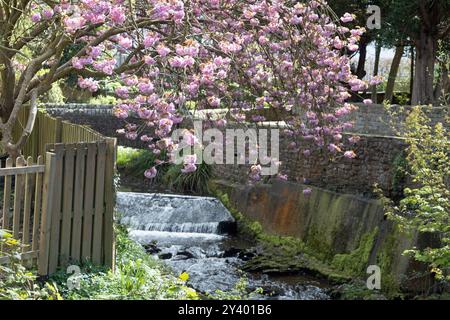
{"x": 173, "y": 213}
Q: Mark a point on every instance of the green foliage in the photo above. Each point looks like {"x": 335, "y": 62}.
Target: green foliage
{"x": 54, "y": 95}
{"x": 195, "y": 182}
{"x": 16, "y": 282}
{"x": 425, "y": 207}
{"x": 137, "y": 277}
{"x": 135, "y": 161}
{"x": 399, "y": 174}
{"x": 102, "y": 100}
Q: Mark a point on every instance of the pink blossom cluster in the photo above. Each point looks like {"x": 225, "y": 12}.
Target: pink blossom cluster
{"x": 242, "y": 55}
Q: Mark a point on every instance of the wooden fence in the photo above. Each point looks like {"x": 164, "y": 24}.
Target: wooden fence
{"x": 25, "y": 199}
{"x": 48, "y": 130}
{"x": 61, "y": 206}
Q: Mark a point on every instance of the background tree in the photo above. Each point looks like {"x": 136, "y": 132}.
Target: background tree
{"x": 359, "y": 9}
{"x": 424, "y": 24}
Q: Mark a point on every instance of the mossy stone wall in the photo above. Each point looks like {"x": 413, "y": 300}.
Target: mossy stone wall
{"x": 347, "y": 232}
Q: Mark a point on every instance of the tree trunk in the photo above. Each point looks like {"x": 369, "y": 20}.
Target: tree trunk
{"x": 360, "y": 70}
{"x": 393, "y": 73}
{"x": 423, "y": 89}
{"x": 376, "y": 70}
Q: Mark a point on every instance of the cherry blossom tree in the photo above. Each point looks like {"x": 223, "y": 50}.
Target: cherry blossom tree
{"x": 173, "y": 57}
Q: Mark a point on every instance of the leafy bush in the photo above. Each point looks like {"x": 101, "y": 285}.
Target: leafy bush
{"x": 137, "y": 276}
{"x": 54, "y": 95}
{"x": 16, "y": 282}
{"x": 425, "y": 207}
{"x": 195, "y": 182}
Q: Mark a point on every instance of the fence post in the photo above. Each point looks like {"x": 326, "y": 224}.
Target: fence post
{"x": 109, "y": 241}
{"x": 46, "y": 222}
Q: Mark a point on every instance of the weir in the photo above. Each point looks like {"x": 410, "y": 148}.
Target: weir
{"x": 174, "y": 213}
{"x": 195, "y": 235}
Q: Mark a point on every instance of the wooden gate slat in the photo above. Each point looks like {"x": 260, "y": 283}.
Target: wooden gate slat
{"x": 29, "y": 186}
{"x": 37, "y": 206}
{"x": 46, "y": 222}
{"x": 99, "y": 204}
{"x": 108, "y": 243}
{"x": 86, "y": 251}
{"x": 18, "y": 197}
{"x": 78, "y": 202}
{"x": 56, "y": 209}
{"x": 66, "y": 225}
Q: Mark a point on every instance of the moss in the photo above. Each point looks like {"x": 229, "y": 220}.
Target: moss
{"x": 385, "y": 257}
{"x": 355, "y": 262}
{"x": 280, "y": 254}
{"x": 327, "y": 222}
{"x": 289, "y": 254}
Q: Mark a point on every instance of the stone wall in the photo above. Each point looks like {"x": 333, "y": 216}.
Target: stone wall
{"x": 378, "y": 153}
{"x": 369, "y": 119}
{"x": 376, "y": 163}
{"x": 373, "y": 119}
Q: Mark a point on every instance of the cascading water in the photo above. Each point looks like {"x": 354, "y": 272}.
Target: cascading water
{"x": 192, "y": 235}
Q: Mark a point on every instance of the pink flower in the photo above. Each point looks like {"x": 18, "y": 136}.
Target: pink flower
{"x": 150, "y": 41}
{"x": 189, "y": 163}
{"x": 163, "y": 50}
{"x": 347, "y": 17}
{"x": 350, "y": 154}
{"x": 48, "y": 13}
{"x": 117, "y": 15}
{"x": 368, "y": 101}
{"x": 88, "y": 83}
{"x": 36, "y": 17}
{"x": 189, "y": 138}
{"x": 214, "y": 102}
{"x": 125, "y": 42}
{"x": 150, "y": 173}
{"x": 307, "y": 192}
{"x": 376, "y": 80}
{"x": 122, "y": 92}
{"x": 74, "y": 24}
{"x": 353, "y": 47}
{"x": 149, "y": 60}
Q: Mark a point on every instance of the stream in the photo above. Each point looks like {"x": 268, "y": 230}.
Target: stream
{"x": 196, "y": 235}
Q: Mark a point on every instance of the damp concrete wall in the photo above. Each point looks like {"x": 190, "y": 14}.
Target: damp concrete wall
{"x": 348, "y": 232}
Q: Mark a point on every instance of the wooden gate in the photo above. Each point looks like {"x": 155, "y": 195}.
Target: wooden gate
{"x": 21, "y": 211}
{"x": 63, "y": 209}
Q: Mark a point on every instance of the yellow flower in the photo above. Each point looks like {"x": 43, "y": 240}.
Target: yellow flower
{"x": 184, "y": 276}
